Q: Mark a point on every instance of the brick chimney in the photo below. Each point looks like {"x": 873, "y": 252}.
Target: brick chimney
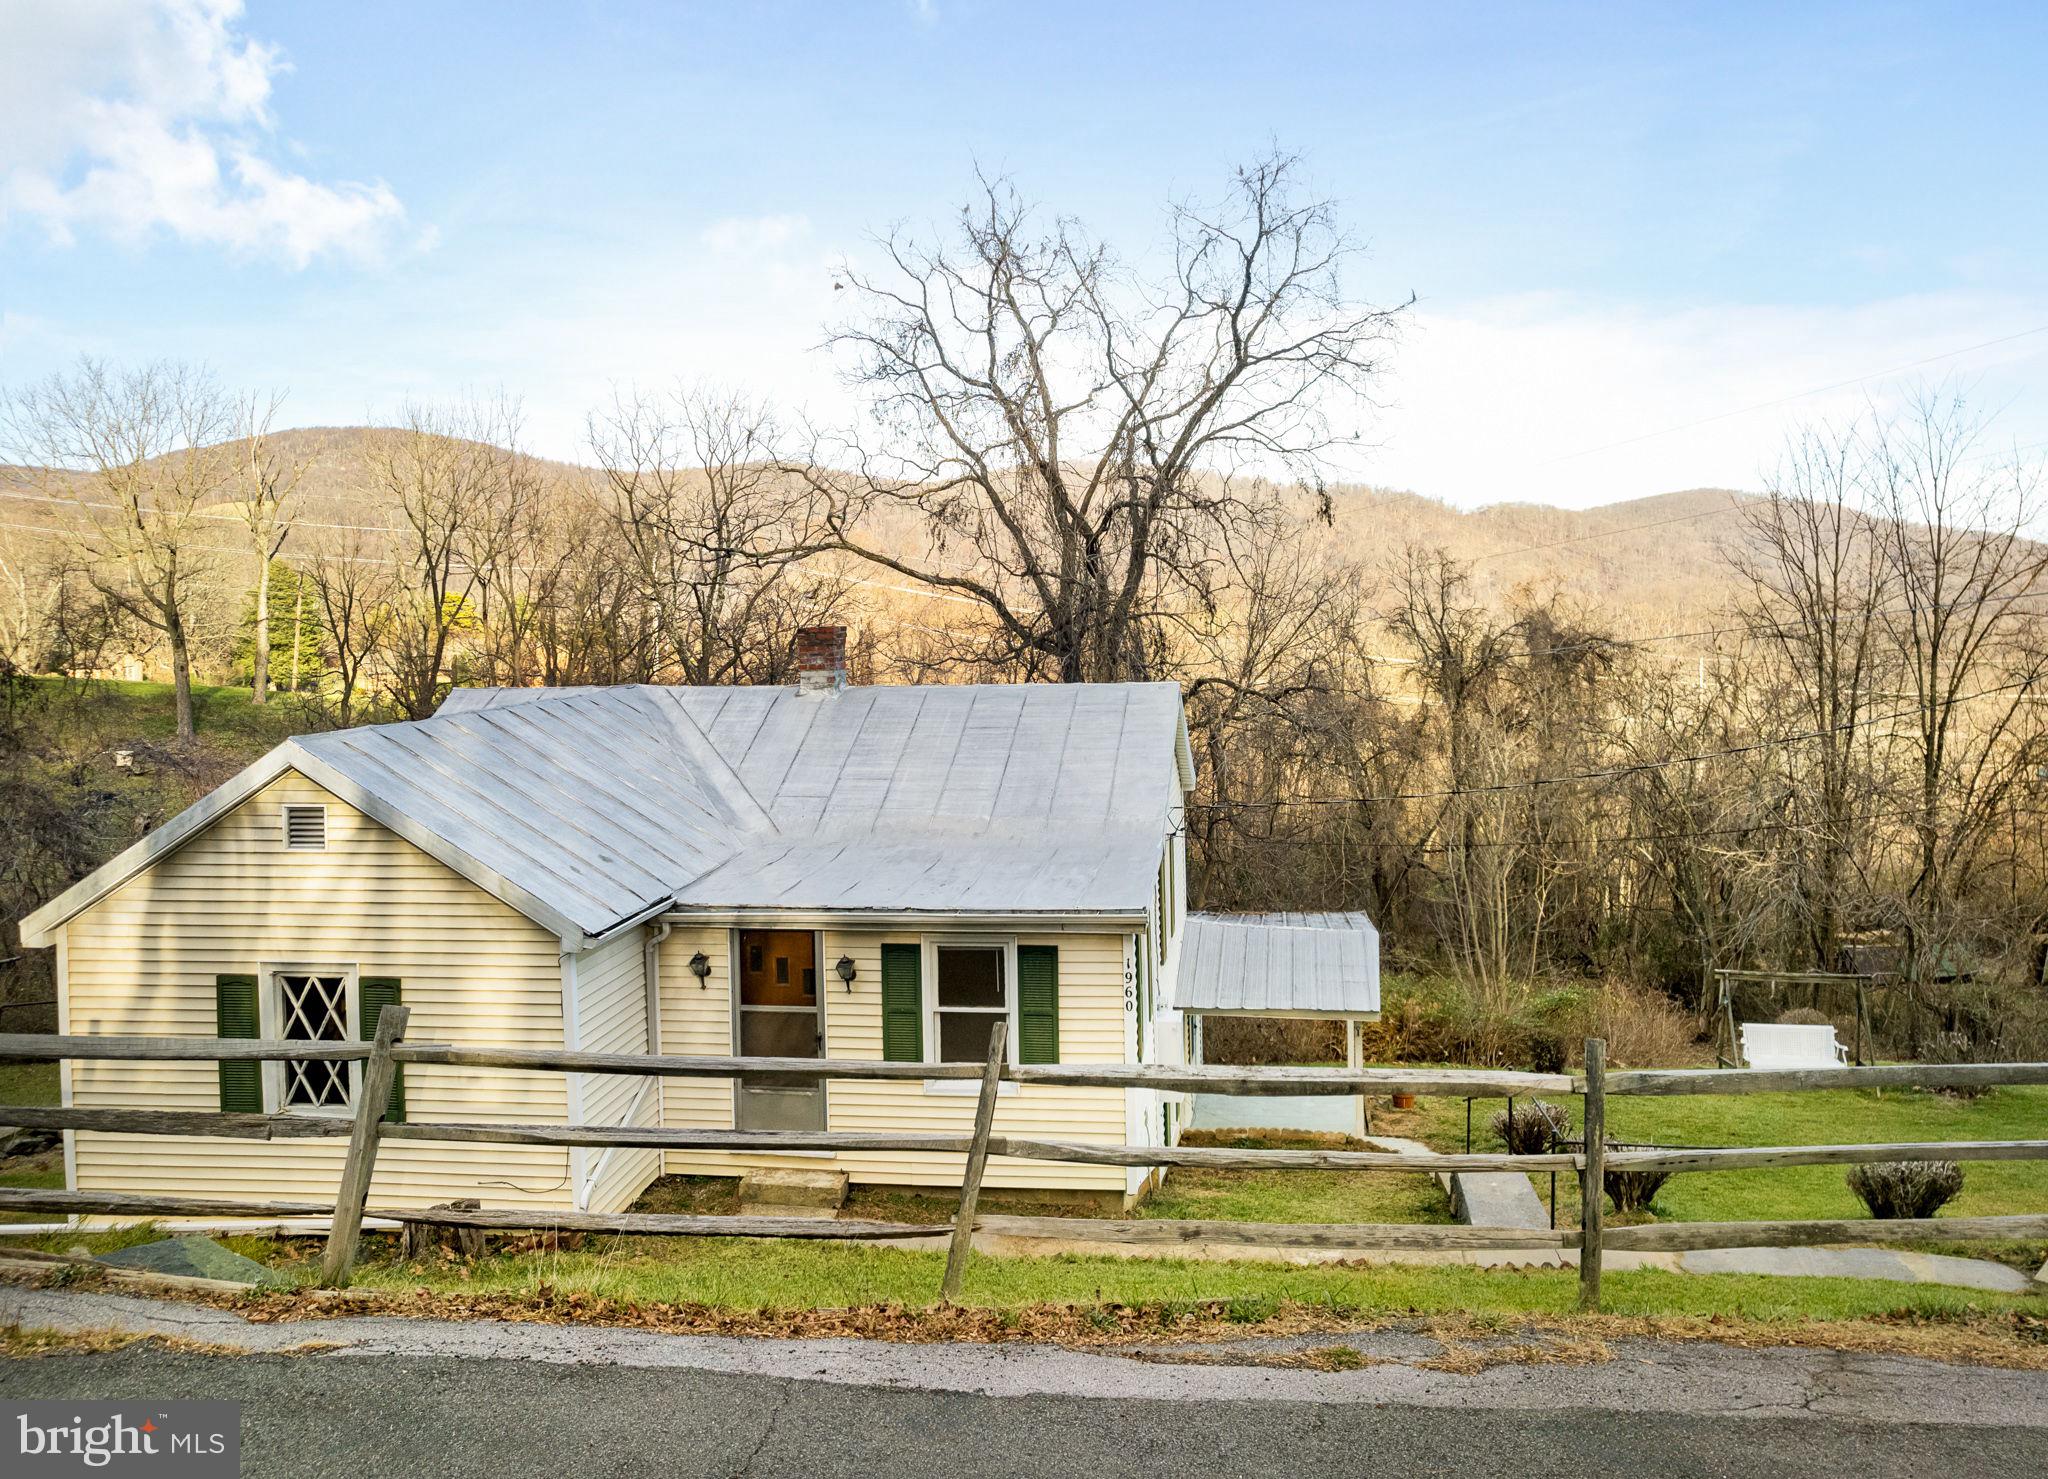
{"x": 820, "y": 659}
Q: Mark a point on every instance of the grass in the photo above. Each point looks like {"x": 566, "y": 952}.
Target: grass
{"x": 1296, "y": 1196}
{"x": 28, "y": 1083}
{"x": 1227, "y": 1196}
{"x": 1815, "y": 1117}
{"x": 804, "y": 1276}
{"x": 222, "y": 714}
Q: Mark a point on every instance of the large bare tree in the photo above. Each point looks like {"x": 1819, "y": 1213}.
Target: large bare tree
{"x": 1966, "y": 575}
{"x": 358, "y": 586}
{"x": 1816, "y": 589}
{"x": 141, "y": 454}
{"x": 459, "y": 486}
{"x": 714, "y": 529}
{"x": 1055, "y": 434}
{"x": 265, "y": 479}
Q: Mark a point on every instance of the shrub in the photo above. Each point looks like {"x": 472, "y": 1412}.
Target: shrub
{"x": 1948, "y": 1048}
{"x": 1644, "y": 1028}
{"x": 1632, "y": 1191}
{"x": 1804, "y": 1017}
{"x": 1255, "y": 1040}
{"x": 1906, "y": 1188}
{"x": 1528, "y": 1129}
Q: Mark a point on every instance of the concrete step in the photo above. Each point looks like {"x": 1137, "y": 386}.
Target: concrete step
{"x": 789, "y": 1191}
{"x": 786, "y": 1209}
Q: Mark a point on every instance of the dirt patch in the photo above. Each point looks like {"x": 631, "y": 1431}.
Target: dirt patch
{"x": 1460, "y": 1358}
{"x": 30, "y": 1343}
{"x": 2016, "y": 1340}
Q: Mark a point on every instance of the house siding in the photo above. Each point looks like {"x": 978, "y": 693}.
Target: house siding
{"x": 611, "y": 1017}
{"x": 475, "y": 972}
{"x": 1092, "y": 1030}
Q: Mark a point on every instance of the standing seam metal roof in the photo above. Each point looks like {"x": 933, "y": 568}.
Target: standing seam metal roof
{"x": 608, "y": 803}
{"x": 1328, "y": 964}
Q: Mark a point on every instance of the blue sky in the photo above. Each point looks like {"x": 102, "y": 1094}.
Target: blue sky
{"x": 1618, "y": 220}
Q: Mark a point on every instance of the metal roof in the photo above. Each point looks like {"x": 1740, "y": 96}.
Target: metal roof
{"x": 1325, "y": 964}
{"x": 589, "y": 808}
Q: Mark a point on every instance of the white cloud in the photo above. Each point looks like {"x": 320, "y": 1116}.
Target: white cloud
{"x": 131, "y": 117}
{"x": 754, "y": 233}
{"x": 1559, "y": 401}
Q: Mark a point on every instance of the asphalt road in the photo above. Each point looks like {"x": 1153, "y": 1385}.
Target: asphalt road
{"x": 448, "y": 1416}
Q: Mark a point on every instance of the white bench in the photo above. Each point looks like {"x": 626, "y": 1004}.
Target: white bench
{"x": 1792, "y": 1045}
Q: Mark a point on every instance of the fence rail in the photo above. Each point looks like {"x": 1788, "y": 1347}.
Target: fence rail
{"x": 366, "y": 1130}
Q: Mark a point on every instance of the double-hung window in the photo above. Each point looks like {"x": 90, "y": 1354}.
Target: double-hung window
{"x": 970, "y": 993}
{"x": 313, "y": 1004}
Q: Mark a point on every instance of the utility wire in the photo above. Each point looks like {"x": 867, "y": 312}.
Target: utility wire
{"x": 1522, "y": 549}
{"x": 1606, "y": 773}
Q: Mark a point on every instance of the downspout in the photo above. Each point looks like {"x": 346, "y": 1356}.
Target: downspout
{"x": 572, "y": 1039}
{"x": 64, "y": 1089}
{"x": 650, "y": 971}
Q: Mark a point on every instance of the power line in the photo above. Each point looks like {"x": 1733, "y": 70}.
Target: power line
{"x": 387, "y": 530}
{"x": 1607, "y": 773}
{"x": 1686, "y": 835}
{"x": 1733, "y": 507}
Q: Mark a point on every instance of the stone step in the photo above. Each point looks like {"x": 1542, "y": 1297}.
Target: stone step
{"x": 785, "y": 1190}
{"x": 786, "y": 1209}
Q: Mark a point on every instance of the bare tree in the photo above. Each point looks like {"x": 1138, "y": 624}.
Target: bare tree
{"x": 142, "y": 453}
{"x": 265, "y": 479}
{"x": 454, "y": 476}
{"x": 715, "y": 531}
{"x": 1065, "y": 435}
{"x": 1954, "y": 538}
{"x": 1817, "y": 591}
{"x": 358, "y": 586}
{"x": 1712, "y": 832}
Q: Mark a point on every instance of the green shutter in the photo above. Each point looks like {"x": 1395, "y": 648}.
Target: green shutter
{"x": 373, "y": 994}
{"x": 903, "y": 1003}
{"x": 1038, "y": 1004}
{"x": 235, "y": 1015}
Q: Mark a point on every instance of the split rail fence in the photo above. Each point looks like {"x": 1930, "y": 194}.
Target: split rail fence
{"x": 366, "y": 1130}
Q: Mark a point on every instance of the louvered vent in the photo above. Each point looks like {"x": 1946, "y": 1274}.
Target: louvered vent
{"x": 305, "y": 828}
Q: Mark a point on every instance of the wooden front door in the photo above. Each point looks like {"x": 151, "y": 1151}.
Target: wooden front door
{"x": 778, "y": 1013}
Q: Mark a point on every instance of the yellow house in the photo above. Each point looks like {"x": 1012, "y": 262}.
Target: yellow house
{"x": 816, "y": 870}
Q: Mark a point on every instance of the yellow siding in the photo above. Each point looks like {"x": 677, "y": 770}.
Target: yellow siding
{"x": 611, "y": 1017}
{"x": 476, "y": 972}
{"x": 698, "y": 1021}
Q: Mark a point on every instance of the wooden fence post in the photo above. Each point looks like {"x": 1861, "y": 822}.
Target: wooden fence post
{"x": 977, "y": 1161}
{"x": 1593, "y": 1179}
{"x": 373, "y": 1096}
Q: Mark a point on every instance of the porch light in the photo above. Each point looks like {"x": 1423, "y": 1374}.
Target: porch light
{"x": 843, "y": 968}
{"x": 700, "y": 967}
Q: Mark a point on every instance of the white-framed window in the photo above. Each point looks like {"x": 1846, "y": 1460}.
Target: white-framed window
{"x": 305, "y": 828}
{"x": 970, "y": 985}
{"x": 310, "y": 1003}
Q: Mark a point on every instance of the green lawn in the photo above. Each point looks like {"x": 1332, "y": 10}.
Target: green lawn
{"x": 799, "y": 1275}
{"x": 1237, "y": 1196}
{"x": 1816, "y": 1117}
{"x": 223, "y": 714}
{"x": 28, "y": 1083}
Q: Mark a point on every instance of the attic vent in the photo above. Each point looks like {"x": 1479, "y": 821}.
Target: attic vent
{"x": 305, "y": 828}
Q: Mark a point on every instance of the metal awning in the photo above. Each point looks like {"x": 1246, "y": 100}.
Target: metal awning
{"x": 1298, "y": 965}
